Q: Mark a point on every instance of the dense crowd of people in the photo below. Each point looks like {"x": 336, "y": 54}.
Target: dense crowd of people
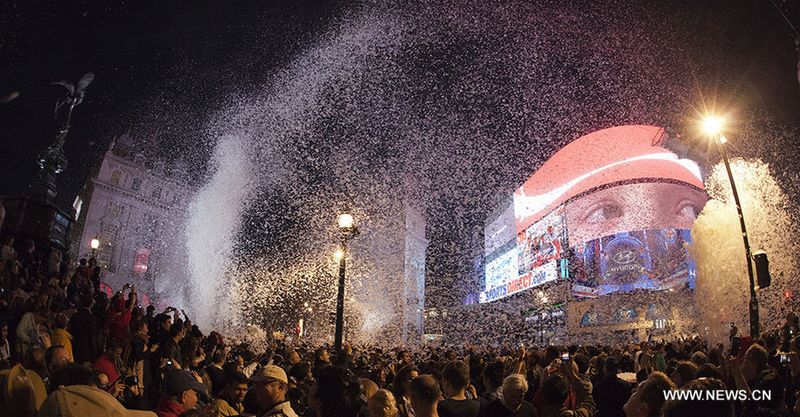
{"x": 68, "y": 349}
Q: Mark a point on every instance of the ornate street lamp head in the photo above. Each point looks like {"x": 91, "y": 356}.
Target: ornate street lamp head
{"x": 345, "y": 221}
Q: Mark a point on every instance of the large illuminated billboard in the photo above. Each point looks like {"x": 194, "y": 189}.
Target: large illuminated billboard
{"x": 527, "y": 261}
{"x": 618, "y": 155}
{"x": 542, "y": 242}
{"x": 500, "y": 229}
{"x": 629, "y": 261}
{"x": 613, "y": 189}
{"x": 504, "y": 267}
{"x": 537, "y": 276}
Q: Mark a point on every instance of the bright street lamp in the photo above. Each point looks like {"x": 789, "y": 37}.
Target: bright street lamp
{"x": 347, "y": 229}
{"x": 712, "y": 126}
{"x": 94, "y": 244}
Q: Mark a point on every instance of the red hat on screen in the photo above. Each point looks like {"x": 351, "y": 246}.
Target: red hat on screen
{"x": 608, "y": 156}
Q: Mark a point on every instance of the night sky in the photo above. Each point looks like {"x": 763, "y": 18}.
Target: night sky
{"x": 163, "y": 68}
{"x": 149, "y": 57}
{"x": 172, "y": 54}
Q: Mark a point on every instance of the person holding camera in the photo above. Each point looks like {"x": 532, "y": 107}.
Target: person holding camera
{"x": 110, "y": 362}
{"x": 172, "y": 348}
{"x": 121, "y": 312}
{"x": 122, "y": 386}
{"x": 138, "y": 355}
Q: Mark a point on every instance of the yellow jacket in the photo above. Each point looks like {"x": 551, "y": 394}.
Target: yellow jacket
{"x": 63, "y": 338}
{"x": 223, "y": 409}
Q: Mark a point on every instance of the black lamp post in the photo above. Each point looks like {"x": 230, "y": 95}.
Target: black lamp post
{"x": 713, "y": 126}
{"x": 347, "y": 230}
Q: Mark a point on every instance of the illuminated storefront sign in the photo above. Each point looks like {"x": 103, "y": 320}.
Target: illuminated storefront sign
{"x": 545, "y": 273}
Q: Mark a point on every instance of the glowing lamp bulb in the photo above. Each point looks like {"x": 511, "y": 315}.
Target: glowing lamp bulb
{"x": 345, "y": 221}
{"x": 712, "y": 125}
{"x": 723, "y": 140}
{"x": 338, "y": 254}
{"x": 305, "y": 304}
{"x": 95, "y": 243}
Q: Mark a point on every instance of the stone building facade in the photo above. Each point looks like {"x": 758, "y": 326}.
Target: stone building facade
{"x": 136, "y": 210}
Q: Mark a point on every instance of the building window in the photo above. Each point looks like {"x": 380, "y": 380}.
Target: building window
{"x": 141, "y": 261}
{"x": 108, "y": 239}
{"x": 156, "y": 192}
{"x": 77, "y": 205}
{"x": 115, "y": 174}
{"x": 115, "y": 209}
{"x": 137, "y": 184}
{"x": 176, "y": 198}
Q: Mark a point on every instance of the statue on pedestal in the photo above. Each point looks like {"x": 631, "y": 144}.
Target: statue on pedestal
{"x": 53, "y": 161}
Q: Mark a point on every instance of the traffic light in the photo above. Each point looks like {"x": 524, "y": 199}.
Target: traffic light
{"x": 762, "y": 269}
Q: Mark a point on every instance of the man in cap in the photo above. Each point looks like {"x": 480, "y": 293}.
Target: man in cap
{"x": 181, "y": 389}
{"x": 271, "y": 385}
{"x": 22, "y": 392}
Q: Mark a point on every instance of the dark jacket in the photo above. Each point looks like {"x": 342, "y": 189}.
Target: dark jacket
{"x": 497, "y": 409}
{"x": 84, "y": 329}
{"x": 584, "y": 404}
{"x": 173, "y": 351}
{"x": 217, "y": 377}
{"x": 610, "y": 394}
{"x": 459, "y": 408}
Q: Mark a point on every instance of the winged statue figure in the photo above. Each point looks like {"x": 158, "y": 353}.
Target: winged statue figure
{"x": 73, "y": 98}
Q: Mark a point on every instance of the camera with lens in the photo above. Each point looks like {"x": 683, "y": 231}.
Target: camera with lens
{"x": 130, "y": 380}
